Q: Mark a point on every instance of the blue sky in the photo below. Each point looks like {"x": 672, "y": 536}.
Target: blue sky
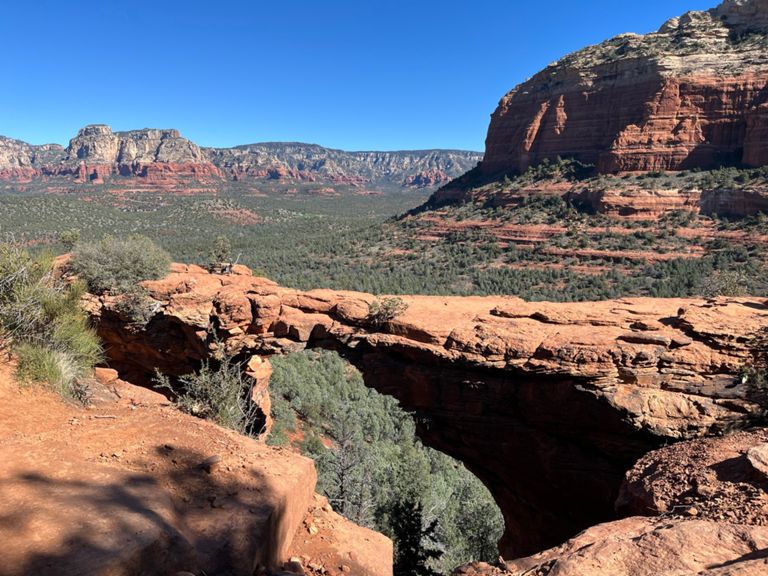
{"x": 351, "y": 74}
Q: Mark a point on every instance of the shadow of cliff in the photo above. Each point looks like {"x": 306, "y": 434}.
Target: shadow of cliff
{"x": 137, "y": 353}
{"x": 752, "y": 556}
{"x": 171, "y": 512}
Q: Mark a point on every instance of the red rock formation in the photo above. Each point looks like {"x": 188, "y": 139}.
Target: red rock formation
{"x": 312, "y": 163}
{"x": 756, "y": 139}
{"x": 697, "y": 122}
{"x": 737, "y": 203}
{"x": 710, "y": 478}
{"x": 548, "y": 404}
{"x": 162, "y": 170}
{"x": 641, "y": 204}
{"x": 651, "y": 547}
{"x": 94, "y": 174}
{"x": 691, "y": 95}
{"x": 18, "y": 174}
{"x": 711, "y": 493}
{"x": 163, "y": 159}
{"x": 158, "y": 175}
{"x": 617, "y": 199}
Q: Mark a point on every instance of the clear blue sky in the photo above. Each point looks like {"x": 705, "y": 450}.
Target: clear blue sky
{"x": 351, "y": 74}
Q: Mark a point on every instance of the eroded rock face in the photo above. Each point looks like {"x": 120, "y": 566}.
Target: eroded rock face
{"x": 97, "y": 144}
{"x": 312, "y": 163}
{"x": 691, "y": 95}
{"x": 21, "y": 162}
{"x": 652, "y": 547}
{"x": 548, "y": 404}
{"x": 159, "y": 155}
{"x": 427, "y": 179}
{"x": 718, "y": 479}
{"x": 745, "y": 15}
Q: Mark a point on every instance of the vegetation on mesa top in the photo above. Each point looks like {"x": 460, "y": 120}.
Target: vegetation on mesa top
{"x": 117, "y": 265}
{"x": 313, "y": 242}
{"x": 580, "y": 175}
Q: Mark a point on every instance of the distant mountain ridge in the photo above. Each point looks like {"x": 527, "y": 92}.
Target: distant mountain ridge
{"x": 97, "y": 153}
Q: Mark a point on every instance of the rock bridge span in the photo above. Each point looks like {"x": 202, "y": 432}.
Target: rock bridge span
{"x": 549, "y": 404}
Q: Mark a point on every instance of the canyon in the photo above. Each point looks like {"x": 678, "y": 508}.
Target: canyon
{"x": 164, "y": 160}
{"x": 548, "y": 404}
{"x": 619, "y": 436}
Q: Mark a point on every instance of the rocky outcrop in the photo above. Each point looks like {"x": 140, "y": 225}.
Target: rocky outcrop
{"x": 691, "y": 95}
{"x": 132, "y": 486}
{"x": 614, "y": 197}
{"x": 744, "y": 15}
{"x": 22, "y": 162}
{"x": 717, "y": 479}
{"x": 651, "y": 547}
{"x": 97, "y": 144}
{"x": 164, "y": 159}
{"x": 159, "y": 157}
{"x": 548, "y": 404}
{"x": 707, "y": 499}
{"x": 636, "y": 203}
{"x": 427, "y": 179}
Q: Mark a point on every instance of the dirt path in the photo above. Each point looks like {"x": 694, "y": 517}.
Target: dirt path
{"x": 123, "y": 487}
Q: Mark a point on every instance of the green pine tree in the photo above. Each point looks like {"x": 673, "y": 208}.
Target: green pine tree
{"x": 413, "y": 551}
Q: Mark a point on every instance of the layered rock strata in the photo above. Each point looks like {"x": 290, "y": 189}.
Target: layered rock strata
{"x": 705, "y": 503}
{"x": 650, "y": 547}
{"x": 691, "y": 95}
{"x": 617, "y": 200}
{"x": 309, "y": 162}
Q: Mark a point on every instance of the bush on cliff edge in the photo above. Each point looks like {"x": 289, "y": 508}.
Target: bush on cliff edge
{"x": 41, "y": 320}
{"x": 117, "y": 265}
{"x": 218, "y": 391}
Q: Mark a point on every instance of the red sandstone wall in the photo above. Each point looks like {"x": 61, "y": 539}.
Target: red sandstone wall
{"x": 655, "y": 124}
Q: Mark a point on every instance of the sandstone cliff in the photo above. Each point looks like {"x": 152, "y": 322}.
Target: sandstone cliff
{"x": 97, "y": 144}
{"x": 548, "y": 404}
{"x": 165, "y": 158}
{"x": 692, "y": 95}
{"x": 21, "y": 161}
{"x": 97, "y": 153}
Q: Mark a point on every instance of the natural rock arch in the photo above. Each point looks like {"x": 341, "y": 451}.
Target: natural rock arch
{"x": 548, "y": 404}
